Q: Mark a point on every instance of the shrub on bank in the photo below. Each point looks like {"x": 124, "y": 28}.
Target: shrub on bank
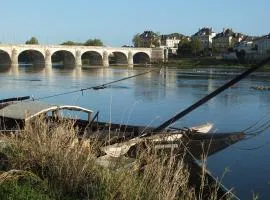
{"x": 17, "y": 184}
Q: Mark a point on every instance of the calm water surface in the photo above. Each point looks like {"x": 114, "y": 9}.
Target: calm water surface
{"x": 153, "y": 98}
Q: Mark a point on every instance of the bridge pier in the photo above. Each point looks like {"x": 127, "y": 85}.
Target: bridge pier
{"x": 48, "y": 59}
{"x": 166, "y": 55}
{"x": 130, "y": 59}
{"x": 78, "y": 59}
{"x": 14, "y": 58}
{"x": 105, "y": 59}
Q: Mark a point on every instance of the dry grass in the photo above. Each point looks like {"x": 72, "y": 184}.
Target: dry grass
{"x": 70, "y": 170}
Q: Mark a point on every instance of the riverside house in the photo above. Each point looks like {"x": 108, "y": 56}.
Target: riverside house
{"x": 256, "y": 49}
{"x": 171, "y": 41}
{"x": 262, "y": 45}
{"x": 225, "y": 40}
{"x": 205, "y": 36}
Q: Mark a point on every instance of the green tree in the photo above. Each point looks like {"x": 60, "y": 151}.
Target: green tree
{"x": 184, "y": 41}
{"x": 195, "y": 46}
{"x": 71, "y": 43}
{"x": 146, "y": 39}
{"x": 32, "y": 40}
{"x": 94, "y": 42}
{"x": 155, "y": 40}
{"x": 184, "y": 47}
{"x": 137, "y": 41}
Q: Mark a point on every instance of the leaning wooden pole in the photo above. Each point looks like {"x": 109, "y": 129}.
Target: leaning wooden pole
{"x": 209, "y": 96}
{"x": 14, "y": 99}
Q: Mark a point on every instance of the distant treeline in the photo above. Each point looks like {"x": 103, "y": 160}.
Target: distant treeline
{"x": 90, "y": 42}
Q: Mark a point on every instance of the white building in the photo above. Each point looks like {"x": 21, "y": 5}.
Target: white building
{"x": 244, "y": 46}
{"x": 171, "y": 42}
{"x": 258, "y": 49}
{"x": 205, "y": 36}
{"x": 262, "y": 44}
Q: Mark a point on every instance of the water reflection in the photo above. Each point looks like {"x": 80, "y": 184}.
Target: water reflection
{"x": 14, "y": 70}
{"x": 264, "y": 97}
{"x": 4, "y": 68}
{"x": 76, "y": 73}
{"x": 31, "y": 68}
{"x": 48, "y": 72}
{"x": 150, "y": 87}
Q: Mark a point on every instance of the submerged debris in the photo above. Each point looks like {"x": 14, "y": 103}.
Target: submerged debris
{"x": 260, "y": 87}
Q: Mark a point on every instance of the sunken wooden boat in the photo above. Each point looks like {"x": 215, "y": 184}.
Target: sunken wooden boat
{"x": 118, "y": 139}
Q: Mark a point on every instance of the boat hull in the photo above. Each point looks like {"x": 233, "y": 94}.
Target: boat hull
{"x": 128, "y": 139}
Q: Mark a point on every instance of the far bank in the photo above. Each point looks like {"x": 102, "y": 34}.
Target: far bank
{"x": 206, "y": 62}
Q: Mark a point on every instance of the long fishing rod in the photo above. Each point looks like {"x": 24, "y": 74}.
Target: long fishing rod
{"x": 97, "y": 87}
{"x": 209, "y": 96}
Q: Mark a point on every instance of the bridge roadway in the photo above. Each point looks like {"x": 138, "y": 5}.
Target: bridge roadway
{"x": 48, "y": 55}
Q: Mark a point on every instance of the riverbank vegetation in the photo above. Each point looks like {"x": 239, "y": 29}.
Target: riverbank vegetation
{"x": 206, "y": 62}
{"x": 201, "y": 62}
{"x": 48, "y": 162}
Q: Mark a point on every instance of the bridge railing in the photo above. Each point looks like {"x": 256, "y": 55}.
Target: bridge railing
{"x": 72, "y": 46}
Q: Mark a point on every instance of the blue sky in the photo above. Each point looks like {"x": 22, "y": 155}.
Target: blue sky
{"x": 115, "y": 22}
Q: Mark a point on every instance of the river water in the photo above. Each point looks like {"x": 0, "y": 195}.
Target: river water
{"x": 154, "y": 97}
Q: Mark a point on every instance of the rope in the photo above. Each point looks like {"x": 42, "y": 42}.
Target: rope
{"x": 102, "y": 86}
{"x": 257, "y": 123}
{"x": 215, "y": 179}
{"x": 253, "y": 148}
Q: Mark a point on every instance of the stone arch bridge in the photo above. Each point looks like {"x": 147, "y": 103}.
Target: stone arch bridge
{"x": 49, "y": 55}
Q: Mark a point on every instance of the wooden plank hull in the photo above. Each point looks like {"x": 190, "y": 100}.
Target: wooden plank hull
{"x": 194, "y": 146}
{"x": 178, "y": 141}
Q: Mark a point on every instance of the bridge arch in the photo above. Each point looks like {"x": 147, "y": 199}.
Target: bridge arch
{"x": 91, "y": 57}
{"x": 118, "y": 58}
{"x": 63, "y": 58}
{"x": 31, "y": 57}
{"x": 5, "y": 58}
{"x": 141, "y": 58}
